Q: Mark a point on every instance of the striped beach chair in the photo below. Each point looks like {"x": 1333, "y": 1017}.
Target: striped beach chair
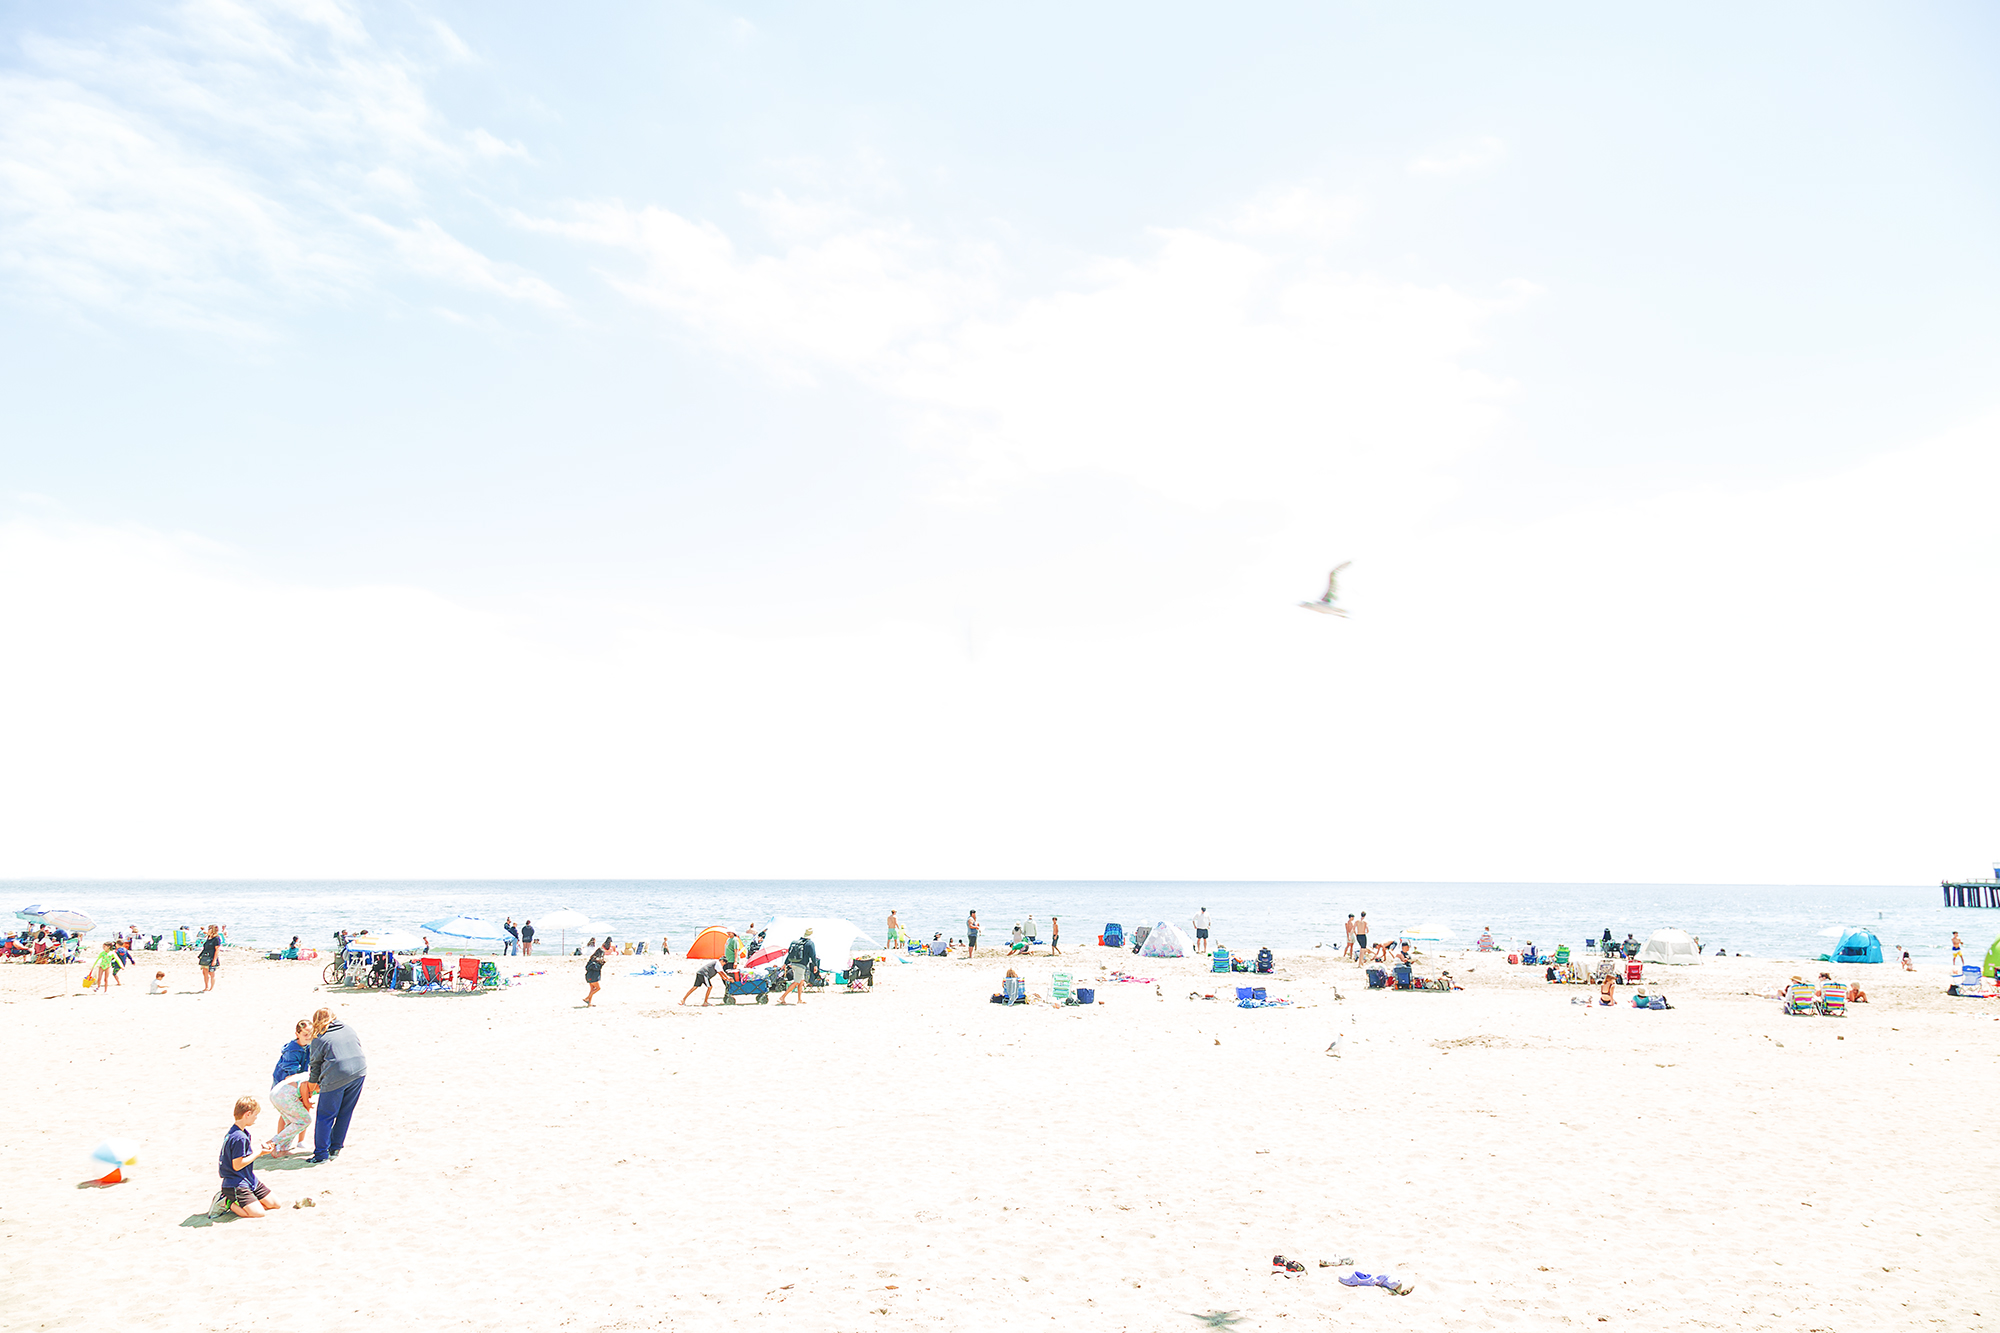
{"x": 1833, "y": 999}
{"x": 1802, "y": 997}
{"x": 1062, "y": 987}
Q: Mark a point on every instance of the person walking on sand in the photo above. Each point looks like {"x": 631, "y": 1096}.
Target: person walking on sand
{"x": 1957, "y": 952}
{"x": 1201, "y": 931}
{"x": 801, "y": 959}
{"x": 527, "y": 938}
{"x": 513, "y": 944}
{"x": 335, "y": 1073}
{"x": 210, "y": 957}
{"x": 1055, "y": 935}
{"x": 971, "y": 933}
{"x": 1348, "y": 951}
{"x": 593, "y": 972}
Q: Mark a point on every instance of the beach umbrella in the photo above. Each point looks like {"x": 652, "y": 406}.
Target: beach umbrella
{"x": 66, "y": 917}
{"x": 394, "y": 941}
{"x": 464, "y": 932}
{"x": 563, "y": 922}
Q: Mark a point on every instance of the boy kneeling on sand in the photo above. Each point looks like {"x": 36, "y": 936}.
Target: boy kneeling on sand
{"x": 239, "y": 1183}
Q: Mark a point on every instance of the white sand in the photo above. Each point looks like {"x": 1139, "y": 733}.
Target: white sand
{"x": 919, "y": 1157}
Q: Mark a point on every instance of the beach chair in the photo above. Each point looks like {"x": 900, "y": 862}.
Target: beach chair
{"x": 1138, "y": 937}
{"x": 1377, "y": 978}
{"x": 1219, "y": 960}
{"x": 468, "y": 972}
{"x": 1062, "y": 987}
{"x": 1113, "y": 936}
{"x": 1402, "y": 976}
{"x": 1802, "y": 997}
{"x": 1562, "y": 954}
{"x": 489, "y": 974}
{"x": 1634, "y": 973}
{"x": 1833, "y": 1000}
{"x": 1013, "y": 990}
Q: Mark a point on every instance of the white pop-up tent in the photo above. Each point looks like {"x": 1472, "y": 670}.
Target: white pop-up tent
{"x": 1166, "y": 941}
{"x": 1669, "y": 946}
{"x": 834, "y": 940}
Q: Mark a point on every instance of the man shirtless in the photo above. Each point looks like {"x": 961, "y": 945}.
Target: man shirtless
{"x": 1361, "y": 934}
{"x": 1348, "y": 952}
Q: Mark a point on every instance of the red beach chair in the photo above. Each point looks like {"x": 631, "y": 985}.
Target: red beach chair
{"x": 468, "y": 972}
{"x": 1634, "y": 972}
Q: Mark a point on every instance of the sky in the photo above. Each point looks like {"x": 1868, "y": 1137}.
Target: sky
{"x": 859, "y": 439}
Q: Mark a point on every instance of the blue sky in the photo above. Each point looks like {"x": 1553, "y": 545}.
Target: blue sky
{"x": 957, "y": 367}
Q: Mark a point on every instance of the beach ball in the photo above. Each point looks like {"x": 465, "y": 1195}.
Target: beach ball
{"x": 117, "y": 1154}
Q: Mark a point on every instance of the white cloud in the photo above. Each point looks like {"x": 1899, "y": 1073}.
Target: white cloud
{"x": 851, "y": 297}
{"x": 1239, "y": 364}
{"x": 428, "y": 249}
{"x": 1465, "y": 159}
{"x": 210, "y": 170}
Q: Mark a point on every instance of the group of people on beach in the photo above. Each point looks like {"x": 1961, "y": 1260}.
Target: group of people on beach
{"x": 323, "y": 1063}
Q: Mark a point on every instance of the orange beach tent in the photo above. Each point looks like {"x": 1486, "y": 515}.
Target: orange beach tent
{"x": 709, "y": 943}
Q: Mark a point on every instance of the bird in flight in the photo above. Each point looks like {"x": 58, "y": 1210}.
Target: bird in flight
{"x": 1329, "y": 602}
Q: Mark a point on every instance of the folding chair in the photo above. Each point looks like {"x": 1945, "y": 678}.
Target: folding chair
{"x": 1802, "y": 997}
{"x": 1061, "y": 987}
{"x": 468, "y": 972}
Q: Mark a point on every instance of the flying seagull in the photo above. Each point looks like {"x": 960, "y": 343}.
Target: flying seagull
{"x": 1329, "y": 602}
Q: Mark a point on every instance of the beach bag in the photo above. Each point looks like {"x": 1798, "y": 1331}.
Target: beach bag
{"x": 88, "y": 982}
{"x": 1263, "y": 960}
{"x": 795, "y": 953}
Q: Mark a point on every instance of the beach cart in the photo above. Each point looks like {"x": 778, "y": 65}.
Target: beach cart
{"x": 748, "y": 986}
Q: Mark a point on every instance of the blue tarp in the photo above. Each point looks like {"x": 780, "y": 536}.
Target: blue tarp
{"x": 1858, "y": 946}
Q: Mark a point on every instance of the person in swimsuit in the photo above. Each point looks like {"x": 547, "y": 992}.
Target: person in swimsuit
{"x": 1957, "y": 952}
{"x": 1055, "y": 935}
{"x": 971, "y": 933}
{"x": 1361, "y": 935}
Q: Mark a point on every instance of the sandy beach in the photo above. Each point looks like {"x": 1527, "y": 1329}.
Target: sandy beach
{"x": 918, "y": 1157}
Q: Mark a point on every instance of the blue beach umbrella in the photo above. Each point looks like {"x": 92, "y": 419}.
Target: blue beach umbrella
{"x": 465, "y": 932}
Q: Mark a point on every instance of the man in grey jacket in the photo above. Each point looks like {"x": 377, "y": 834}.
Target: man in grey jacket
{"x": 335, "y": 1071}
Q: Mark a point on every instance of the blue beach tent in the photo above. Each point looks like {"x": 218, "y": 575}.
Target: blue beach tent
{"x": 1858, "y": 945}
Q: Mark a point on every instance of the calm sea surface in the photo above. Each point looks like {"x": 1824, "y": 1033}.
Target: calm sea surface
{"x": 1767, "y": 920}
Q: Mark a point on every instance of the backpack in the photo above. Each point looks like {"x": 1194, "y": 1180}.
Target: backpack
{"x": 1263, "y": 960}
{"x": 796, "y": 952}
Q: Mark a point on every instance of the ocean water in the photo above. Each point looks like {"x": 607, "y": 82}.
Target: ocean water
{"x": 1766, "y": 920}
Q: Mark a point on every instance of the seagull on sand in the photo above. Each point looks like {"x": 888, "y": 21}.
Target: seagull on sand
{"x": 1328, "y": 604}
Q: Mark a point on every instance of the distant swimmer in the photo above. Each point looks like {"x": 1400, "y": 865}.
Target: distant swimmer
{"x": 1328, "y": 604}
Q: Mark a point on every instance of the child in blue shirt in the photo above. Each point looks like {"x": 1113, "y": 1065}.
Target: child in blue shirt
{"x": 240, "y": 1185}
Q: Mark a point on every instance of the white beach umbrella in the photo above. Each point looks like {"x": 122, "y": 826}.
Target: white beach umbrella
{"x": 395, "y": 941}
{"x": 564, "y": 922}
{"x": 77, "y": 923}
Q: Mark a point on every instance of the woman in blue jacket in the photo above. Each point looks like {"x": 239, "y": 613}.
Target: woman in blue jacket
{"x": 294, "y": 1111}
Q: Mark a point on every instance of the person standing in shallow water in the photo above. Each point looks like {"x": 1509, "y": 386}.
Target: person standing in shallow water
{"x": 527, "y": 938}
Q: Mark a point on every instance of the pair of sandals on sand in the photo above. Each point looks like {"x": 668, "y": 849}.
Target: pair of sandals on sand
{"x": 1280, "y": 1264}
